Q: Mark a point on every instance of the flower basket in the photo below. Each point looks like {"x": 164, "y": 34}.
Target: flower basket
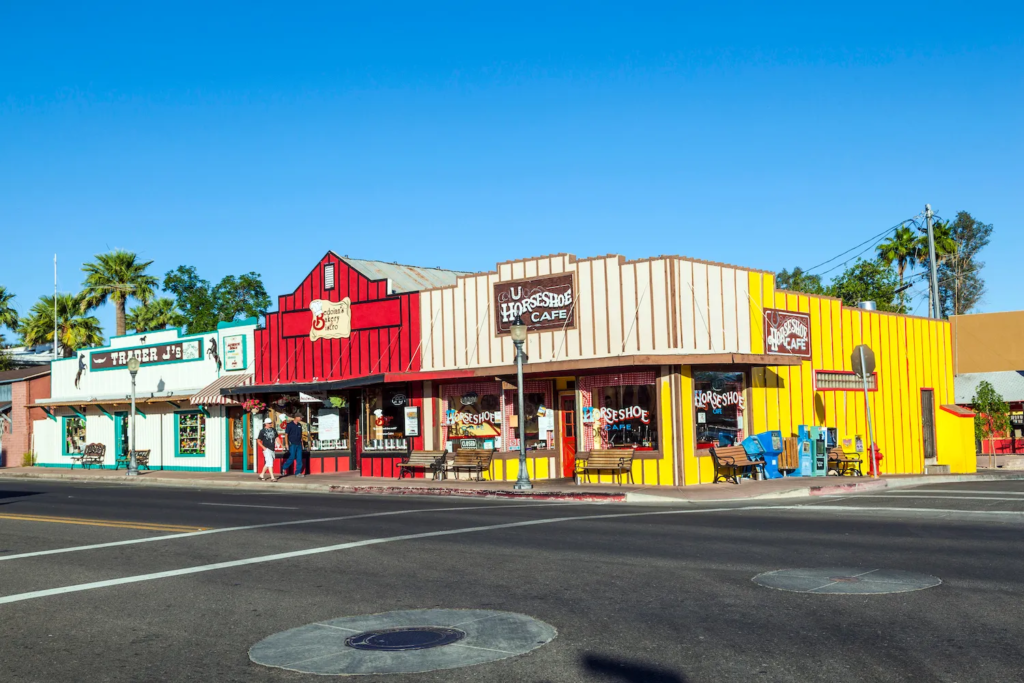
{"x": 254, "y": 405}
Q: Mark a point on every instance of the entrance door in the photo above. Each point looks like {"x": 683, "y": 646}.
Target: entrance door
{"x": 568, "y": 406}
{"x": 928, "y": 423}
{"x": 120, "y": 435}
{"x": 237, "y": 435}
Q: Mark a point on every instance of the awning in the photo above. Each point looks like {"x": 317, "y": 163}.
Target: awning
{"x": 109, "y": 400}
{"x": 306, "y": 387}
{"x": 211, "y": 393}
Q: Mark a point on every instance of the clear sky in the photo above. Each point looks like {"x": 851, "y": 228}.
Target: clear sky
{"x": 256, "y": 136}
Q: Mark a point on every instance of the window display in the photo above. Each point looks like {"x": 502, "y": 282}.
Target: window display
{"x": 473, "y": 415}
{"x": 74, "y": 435}
{"x": 191, "y": 433}
{"x": 384, "y": 416}
{"x": 720, "y": 404}
{"x": 539, "y": 415}
{"x": 626, "y": 417}
{"x": 329, "y": 429}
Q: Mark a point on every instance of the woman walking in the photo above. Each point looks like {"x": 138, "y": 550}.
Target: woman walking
{"x": 267, "y": 437}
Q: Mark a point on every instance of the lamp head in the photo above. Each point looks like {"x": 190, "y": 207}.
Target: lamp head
{"x": 518, "y": 330}
{"x": 133, "y": 365}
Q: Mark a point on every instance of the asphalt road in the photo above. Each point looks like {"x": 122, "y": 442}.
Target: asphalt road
{"x": 652, "y": 594}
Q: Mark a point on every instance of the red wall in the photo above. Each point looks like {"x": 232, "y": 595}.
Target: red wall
{"x": 385, "y": 331}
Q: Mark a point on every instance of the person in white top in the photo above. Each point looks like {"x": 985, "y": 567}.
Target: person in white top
{"x": 267, "y": 438}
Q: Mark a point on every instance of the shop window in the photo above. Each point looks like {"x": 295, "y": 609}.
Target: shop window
{"x": 720, "y": 405}
{"x": 74, "y": 435}
{"x": 625, "y": 416}
{"x": 384, "y": 416}
{"x": 329, "y": 427}
{"x": 540, "y": 415}
{"x": 191, "y": 434}
{"x": 473, "y": 415}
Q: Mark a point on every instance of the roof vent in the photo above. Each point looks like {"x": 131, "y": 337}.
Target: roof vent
{"x": 866, "y": 305}
{"x": 329, "y": 276}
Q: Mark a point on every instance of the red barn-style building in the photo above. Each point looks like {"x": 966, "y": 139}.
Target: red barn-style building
{"x": 337, "y": 353}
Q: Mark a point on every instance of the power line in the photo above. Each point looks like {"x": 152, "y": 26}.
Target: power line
{"x": 876, "y": 239}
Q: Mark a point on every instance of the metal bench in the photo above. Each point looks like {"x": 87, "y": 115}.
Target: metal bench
{"x": 93, "y": 454}
{"x": 845, "y": 464}
{"x": 732, "y": 462}
{"x": 471, "y": 460}
{"x": 618, "y": 461}
{"x": 425, "y": 460}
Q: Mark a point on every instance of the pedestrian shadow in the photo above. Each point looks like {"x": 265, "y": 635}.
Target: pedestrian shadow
{"x": 630, "y": 671}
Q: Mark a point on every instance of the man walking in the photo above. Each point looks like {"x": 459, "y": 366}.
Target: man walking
{"x": 294, "y": 432}
{"x": 267, "y": 437}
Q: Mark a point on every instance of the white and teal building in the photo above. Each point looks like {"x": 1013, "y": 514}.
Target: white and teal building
{"x": 181, "y": 416}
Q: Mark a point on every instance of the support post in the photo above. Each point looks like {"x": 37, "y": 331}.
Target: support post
{"x": 934, "y": 289}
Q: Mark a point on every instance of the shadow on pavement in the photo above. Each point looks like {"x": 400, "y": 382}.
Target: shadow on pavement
{"x": 629, "y": 671}
{"x": 16, "y": 494}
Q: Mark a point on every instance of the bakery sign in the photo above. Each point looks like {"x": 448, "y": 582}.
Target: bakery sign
{"x": 331, "y": 319}
{"x": 787, "y": 333}
{"x": 175, "y": 352}
{"x": 544, "y": 303}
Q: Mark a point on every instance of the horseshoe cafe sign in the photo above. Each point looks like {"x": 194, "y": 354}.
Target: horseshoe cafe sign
{"x": 331, "y": 320}
{"x": 787, "y": 333}
{"x": 544, "y": 303}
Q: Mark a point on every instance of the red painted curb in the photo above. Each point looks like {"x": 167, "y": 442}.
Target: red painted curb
{"x": 479, "y": 493}
{"x": 869, "y": 485}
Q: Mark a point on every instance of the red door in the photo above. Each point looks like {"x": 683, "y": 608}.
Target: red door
{"x": 568, "y": 405}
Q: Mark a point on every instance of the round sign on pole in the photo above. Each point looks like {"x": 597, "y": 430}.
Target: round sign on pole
{"x": 868, "y": 366}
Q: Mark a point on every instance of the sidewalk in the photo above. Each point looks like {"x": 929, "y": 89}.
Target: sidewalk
{"x": 350, "y": 483}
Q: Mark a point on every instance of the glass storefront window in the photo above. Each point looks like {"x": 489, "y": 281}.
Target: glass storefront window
{"x": 535, "y": 403}
{"x": 74, "y": 435}
{"x": 626, "y": 416}
{"x": 384, "y": 416}
{"x": 473, "y": 416}
{"x": 191, "y": 434}
{"x": 720, "y": 404}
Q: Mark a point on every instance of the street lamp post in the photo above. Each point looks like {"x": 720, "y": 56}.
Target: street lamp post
{"x": 518, "y": 331}
{"x": 133, "y": 468}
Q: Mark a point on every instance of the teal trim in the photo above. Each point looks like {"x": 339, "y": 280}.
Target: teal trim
{"x": 204, "y": 411}
{"x": 240, "y": 323}
{"x": 120, "y": 437}
{"x": 177, "y": 436}
{"x": 138, "y": 411}
{"x": 77, "y": 412}
{"x": 227, "y": 444}
{"x": 50, "y": 414}
{"x": 169, "y": 468}
{"x": 201, "y": 339}
{"x": 104, "y": 411}
{"x": 64, "y": 434}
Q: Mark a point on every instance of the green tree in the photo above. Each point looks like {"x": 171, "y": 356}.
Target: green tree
{"x": 116, "y": 276}
{"x": 8, "y": 316}
{"x": 799, "y": 281}
{"x": 867, "y": 281}
{"x": 961, "y": 286}
{"x": 75, "y": 329}
{"x": 156, "y": 314}
{"x": 204, "y": 306}
{"x": 991, "y": 413}
{"x": 6, "y": 360}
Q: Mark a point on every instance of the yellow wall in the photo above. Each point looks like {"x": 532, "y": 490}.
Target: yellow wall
{"x": 911, "y": 354}
{"x": 956, "y": 442}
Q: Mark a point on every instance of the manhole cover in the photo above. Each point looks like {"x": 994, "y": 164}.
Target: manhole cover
{"x": 846, "y": 580}
{"x": 398, "y": 639}
{"x": 410, "y": 641}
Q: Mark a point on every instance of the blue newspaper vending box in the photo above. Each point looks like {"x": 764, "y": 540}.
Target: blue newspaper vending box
{"x": 767, "y": 445}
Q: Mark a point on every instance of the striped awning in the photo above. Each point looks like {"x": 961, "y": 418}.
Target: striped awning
{"x": 211, "y": 396}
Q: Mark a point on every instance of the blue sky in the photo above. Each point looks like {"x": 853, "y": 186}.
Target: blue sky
{"x": 256, "y": 136}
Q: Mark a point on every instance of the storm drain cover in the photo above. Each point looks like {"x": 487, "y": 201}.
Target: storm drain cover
{"x": 846, "y": 580}
{"x": 409, "y": 641}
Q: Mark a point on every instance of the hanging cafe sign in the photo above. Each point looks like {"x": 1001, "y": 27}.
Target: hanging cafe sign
{"x": 175, "y": 352}
{"x": 544, "y": 303}
{"x": 331, "y": 320}
{"x": 787, "y": 333}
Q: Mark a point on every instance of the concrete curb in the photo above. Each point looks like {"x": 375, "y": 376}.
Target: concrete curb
{"x": 586, "y": 497}
{"x": 173, "y": 483}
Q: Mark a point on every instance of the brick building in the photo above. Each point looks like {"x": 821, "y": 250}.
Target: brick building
{"x": 18, "y": 390}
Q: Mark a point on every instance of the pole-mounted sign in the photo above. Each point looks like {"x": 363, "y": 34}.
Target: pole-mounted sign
{"x": 863, "y": 361}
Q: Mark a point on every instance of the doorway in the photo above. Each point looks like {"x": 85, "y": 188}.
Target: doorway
{"x": 928, "y": 423}
{"x": 567, "y": 403}
{"x": 121, "y": 437}
{"x": 239, "y": 453}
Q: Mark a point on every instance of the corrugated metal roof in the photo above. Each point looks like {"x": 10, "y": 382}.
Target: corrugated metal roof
{"x": 1009, "y": 384}
{"x": 404, "y": 278}
{"x": 23, "y": 374}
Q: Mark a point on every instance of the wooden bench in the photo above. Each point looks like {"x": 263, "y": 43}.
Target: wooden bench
{"x": 732, "y": 462}
{"x": 93, "y": 454}
{"x": 432, "y": 462}
{"x": 471, "y": 460}
{"x": 845, "y": 463}
{"x": 617, "y": 460}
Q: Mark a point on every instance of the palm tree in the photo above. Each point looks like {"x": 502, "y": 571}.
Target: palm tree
{"x": 115, "y": 277}
{"x": 158, "y": 314}
{"x": 75, "y": 330}
{"x": 8, "y": 316}
{"x": 901, "y": 249}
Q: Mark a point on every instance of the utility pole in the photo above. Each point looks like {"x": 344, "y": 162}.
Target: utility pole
{"x": 934, "y": 288}
{"x": 55, "y": 307}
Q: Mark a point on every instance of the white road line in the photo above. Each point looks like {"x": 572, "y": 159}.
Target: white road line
{"x": 193, "y": 534}
{"x": 926, "y": 496}
{"x": 862, "y": 508}
{"x": 972, "y": 491}
{"x": 239, "y": 505}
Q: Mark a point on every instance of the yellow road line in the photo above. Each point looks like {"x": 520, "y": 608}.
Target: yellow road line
{"x": 144, "y": 526}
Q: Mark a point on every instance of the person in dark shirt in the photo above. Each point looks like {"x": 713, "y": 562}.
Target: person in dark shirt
{"x": 294, "y": 432}
{"x": 267, "y": 438}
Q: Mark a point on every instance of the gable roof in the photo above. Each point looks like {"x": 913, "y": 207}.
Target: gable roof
{"x": 403, "y": 278}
